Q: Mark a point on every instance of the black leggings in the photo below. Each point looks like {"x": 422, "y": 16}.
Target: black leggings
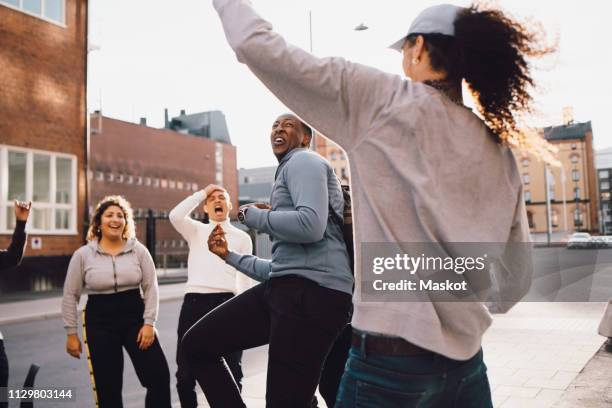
{"x": 112, "y": 322}
{"x": 297, "y": 317}
{"x": 195, "y": 306}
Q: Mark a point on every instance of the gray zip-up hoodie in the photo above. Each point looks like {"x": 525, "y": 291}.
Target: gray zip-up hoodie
{"x": 305, "y": 240}
{"x": 100, "y": 273}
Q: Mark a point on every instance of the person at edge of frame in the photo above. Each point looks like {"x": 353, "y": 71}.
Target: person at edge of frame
{"x": 210, "y": 281}
{"x": 10, "y": 258}
{"x": 412, "y": 146}
{"x": 115, "y": 268}
{"x": 304, "y": 300}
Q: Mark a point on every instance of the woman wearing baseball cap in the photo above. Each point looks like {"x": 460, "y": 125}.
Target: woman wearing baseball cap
{"x": 424, "y": 169}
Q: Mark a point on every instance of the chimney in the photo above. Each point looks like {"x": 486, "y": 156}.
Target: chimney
{"x": 166, "y": 120}
{"x": 568, "y": 115}
{"x": 182, "y": 112}
{"x": 143, "y": 121}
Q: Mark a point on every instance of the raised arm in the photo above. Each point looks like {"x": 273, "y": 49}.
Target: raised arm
{"x": 307, "y": 183}
{"x": 12, "y": 256}
{"x": 180, "y": 215}
{"x": 338, "y": 98}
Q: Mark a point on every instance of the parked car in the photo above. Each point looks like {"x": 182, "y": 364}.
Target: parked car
{"x": 579, "y": 240}
{"x": 598, "y": 243}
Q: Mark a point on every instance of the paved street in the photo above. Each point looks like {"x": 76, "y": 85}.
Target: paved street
{"x": 43, "y": 342}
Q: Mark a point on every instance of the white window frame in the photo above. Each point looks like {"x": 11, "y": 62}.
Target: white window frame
{"x": 42, "y": 12}
{"x": 6, "y": 203}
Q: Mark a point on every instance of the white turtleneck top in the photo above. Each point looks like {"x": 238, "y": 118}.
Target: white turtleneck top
{"x": 206, "y": 272}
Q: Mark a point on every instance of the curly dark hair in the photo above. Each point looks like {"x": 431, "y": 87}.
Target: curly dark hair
{"x": 490, "y": 51}
{"x": 96, "y": 219}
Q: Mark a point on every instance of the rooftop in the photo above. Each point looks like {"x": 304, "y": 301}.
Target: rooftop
{"x": 565, "y": 132}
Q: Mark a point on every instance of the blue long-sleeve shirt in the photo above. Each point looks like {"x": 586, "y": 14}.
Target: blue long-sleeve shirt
{"x": 305, "y": 240}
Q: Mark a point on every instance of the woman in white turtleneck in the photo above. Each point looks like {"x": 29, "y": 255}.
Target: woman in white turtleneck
{"x": 210, "y": 281}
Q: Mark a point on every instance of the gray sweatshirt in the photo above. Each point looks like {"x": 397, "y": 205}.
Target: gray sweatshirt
{"x": 423, "y": 169}
{"x": 305, "y": 240}
{"x": 100, "y": 273}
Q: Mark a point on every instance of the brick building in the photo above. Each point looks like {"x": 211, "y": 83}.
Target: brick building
{"x": 155, "y": 169}
{"x": 335, "y": 155}
{"x": 43, "y": 131}
{"x": 572, "y": 187}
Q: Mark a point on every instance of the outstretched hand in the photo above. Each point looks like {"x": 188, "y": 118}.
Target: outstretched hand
{"x": 217, "y": 244}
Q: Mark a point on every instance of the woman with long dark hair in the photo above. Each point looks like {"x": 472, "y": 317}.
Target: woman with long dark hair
{"x": 119, "y": 274}
{"x": 424, "y": 169}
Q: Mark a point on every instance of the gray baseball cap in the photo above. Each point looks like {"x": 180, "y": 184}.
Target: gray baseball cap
{"x": 438, "y": 19}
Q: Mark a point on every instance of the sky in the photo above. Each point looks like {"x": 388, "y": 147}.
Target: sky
{"x": 147, "y": 55}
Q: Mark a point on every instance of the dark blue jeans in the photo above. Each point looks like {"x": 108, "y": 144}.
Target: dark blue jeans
{"x": 428, "y": 381}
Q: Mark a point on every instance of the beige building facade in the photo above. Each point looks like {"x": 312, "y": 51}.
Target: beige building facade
{"x": 572, "y": 186}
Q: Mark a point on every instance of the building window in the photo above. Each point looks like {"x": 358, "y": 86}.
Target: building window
{"x": 525, "y": 178}
{"x": 574, "y": 146}
{"x": 576, "y": 193}
{"x": 172, "y": 184}
{"x": 164, "y": 183}
{"x": 604, "y": 174}
{"x": 99, "y": 175}
{"x": 574, "y": 158}
{"x": 554, "y": 218}
{"x": 179, "y": 185}
{"x": 343, "y": 173}
{"x": 129, "y": 179}
{"x": 48, "y": 180}
{"x": 332, "y": 156}
{"x": 604, "y": 185}
{"x": 147, "y": 181}
{"x": 605, "y": 195}
{"x": 120, "y": 178}
{"x": 50, "y": 10}
{"x": 139, "y": 180}
{"x": 577, "y": 217}
{"x": 194, "y": 187}
{"x": 527, "y": 196}
{"x": 110, "y": 177}
{"x": 575, "y": 175}
{"x": 188, "y": 186}
{"x": 551, "y": 194}
{"x": 156, "y": 182}
{"x": 525, "y": 162}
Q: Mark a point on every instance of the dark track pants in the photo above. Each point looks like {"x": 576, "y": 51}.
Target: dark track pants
{"x": 298, "y": 318}
{"x": 112, "y": 322}
{"x": 195, "y": 306}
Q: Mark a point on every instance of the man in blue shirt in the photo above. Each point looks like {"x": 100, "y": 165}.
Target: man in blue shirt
{"x": 304, "y": 299}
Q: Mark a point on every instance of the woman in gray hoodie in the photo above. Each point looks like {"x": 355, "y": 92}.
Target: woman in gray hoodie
{"x": 119, "y": 275}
